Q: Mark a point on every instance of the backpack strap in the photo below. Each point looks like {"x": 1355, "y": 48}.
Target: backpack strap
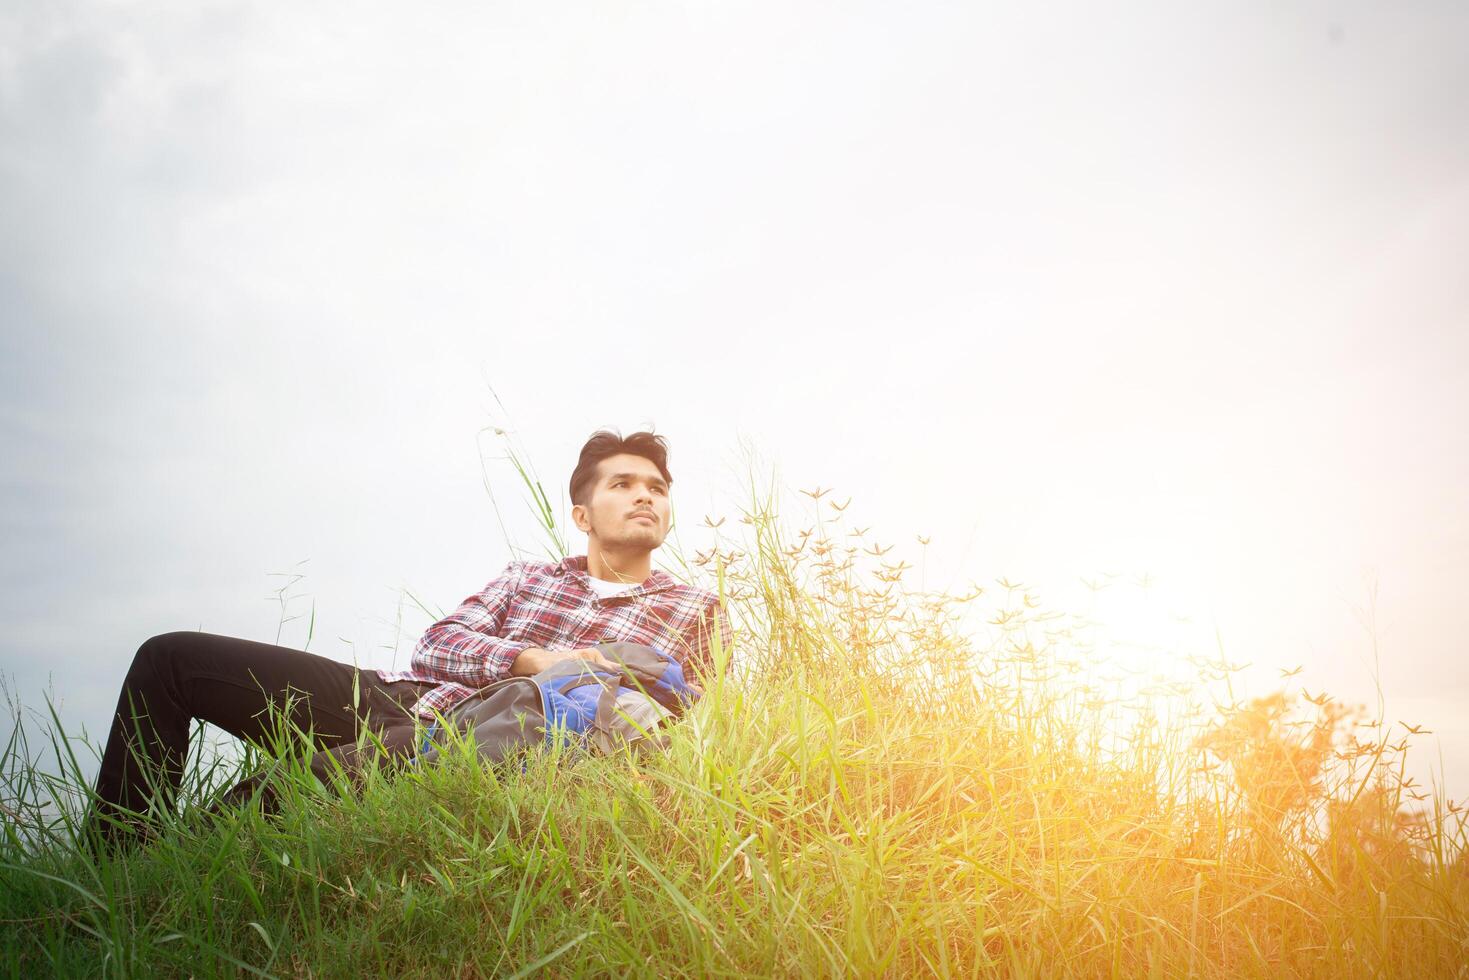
{"x": 428, "y": 737}
{"x": 602, "y": 722}
{"x": 583, "y": 681}
{"x": 607, "y": 701}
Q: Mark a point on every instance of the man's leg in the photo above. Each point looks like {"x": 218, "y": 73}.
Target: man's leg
{"x": 235, "y": 684}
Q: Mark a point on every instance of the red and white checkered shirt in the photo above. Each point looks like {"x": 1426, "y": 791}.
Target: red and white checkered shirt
{"x": 552, "y": 606}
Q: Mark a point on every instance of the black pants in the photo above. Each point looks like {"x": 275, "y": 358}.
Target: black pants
{"x": 237, "y": 685}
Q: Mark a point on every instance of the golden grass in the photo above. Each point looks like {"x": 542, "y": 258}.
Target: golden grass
{"x": 954, "y": 800}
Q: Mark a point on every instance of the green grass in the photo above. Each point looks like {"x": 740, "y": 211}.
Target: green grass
{"x": 872, "y": 786}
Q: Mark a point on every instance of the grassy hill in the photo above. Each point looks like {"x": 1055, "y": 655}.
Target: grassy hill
{"x": 880, "y": 782}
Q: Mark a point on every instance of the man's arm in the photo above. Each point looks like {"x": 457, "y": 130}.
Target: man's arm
{"x": 533, "y": 660}
{"x": 465, "y": 646}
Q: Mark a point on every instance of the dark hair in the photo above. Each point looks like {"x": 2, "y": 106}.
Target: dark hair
{"x": 609, "y": 442}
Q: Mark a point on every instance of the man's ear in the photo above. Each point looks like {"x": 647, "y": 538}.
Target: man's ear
{"x": 578, "y": 515}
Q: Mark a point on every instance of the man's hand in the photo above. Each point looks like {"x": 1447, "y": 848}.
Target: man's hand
{"x": 533, "y": 660}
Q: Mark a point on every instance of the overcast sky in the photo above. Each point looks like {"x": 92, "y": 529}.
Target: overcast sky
{"x": 1167, "y": 288}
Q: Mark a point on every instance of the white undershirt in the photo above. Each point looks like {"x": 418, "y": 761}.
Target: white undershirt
{"x": 604, "y": 588}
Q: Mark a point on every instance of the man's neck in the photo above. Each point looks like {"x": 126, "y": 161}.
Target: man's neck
{"x": 611, "y": 566}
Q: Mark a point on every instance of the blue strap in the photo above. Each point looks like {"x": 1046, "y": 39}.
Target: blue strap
{"x": 428, "y": 741}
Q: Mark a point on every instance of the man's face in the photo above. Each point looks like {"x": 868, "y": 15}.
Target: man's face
{"x": 628, "y": 488}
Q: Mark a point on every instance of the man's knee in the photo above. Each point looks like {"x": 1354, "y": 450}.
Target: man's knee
{"x": 156, "y": 650}
{"x": 161, "y": 656}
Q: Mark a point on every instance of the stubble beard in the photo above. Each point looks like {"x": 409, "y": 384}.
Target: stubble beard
{"x": 644, "y": 538}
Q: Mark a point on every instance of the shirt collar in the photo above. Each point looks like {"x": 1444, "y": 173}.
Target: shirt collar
{"x": 576, "y": 566}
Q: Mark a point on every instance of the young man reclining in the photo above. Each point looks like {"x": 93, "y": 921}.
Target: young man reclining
{"x": 534, "y": 614}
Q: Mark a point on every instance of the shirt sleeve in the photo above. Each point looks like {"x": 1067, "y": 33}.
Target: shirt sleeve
{"x": 464, "y": 647}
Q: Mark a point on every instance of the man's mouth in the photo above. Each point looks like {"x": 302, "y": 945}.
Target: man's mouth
{"x": 643, "y": 513}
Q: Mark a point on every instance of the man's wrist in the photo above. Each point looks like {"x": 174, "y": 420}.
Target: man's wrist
{"x": 527, "y": 662}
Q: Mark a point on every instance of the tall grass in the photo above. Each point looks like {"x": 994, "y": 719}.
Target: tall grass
{"x": 880, "y": 781}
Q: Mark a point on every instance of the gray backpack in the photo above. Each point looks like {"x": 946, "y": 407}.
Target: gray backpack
{"x": 573, "y": 701}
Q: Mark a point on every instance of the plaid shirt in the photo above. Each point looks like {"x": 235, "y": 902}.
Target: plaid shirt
{"x": 552, "y": 606}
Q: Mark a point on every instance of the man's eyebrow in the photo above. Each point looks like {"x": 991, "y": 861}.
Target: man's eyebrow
{"x": 633, "y": 476}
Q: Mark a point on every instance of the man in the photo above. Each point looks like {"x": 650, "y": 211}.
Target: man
{"x": 534, "y": 614}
